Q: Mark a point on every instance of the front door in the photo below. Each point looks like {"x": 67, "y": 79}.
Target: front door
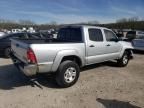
{"x": 113, "y": 46}
{"x": 95, "y": 46}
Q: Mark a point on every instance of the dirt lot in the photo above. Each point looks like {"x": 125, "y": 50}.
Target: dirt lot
{"x": 100, "y": 86}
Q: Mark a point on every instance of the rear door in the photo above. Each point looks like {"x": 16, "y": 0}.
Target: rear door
{"x": 95, "y": 46}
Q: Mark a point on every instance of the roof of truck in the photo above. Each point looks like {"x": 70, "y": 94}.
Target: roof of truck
{"x": 87, "y": 26}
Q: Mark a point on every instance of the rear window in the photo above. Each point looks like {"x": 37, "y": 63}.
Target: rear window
{"x": 70, "y": 34}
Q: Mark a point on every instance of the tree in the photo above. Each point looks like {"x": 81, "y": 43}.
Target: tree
{"x": 6, "y": 21}
{"x": 26, "y": 22}
{"x": 122, "y": 20}
{"x": 133, "y": 19}
{"x": 93, "y": 22}
{"x": 53, "y": 23}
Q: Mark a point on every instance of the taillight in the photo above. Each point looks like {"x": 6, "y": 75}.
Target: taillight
{"x": 31, "y": 56}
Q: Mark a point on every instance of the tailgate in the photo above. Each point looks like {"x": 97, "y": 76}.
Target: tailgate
{"x": 19, "y": 49}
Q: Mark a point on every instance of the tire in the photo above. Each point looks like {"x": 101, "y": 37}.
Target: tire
{"x": 7, "y": 52}
{"x": 123, "y": 62}
{"x": 67, "y": 74}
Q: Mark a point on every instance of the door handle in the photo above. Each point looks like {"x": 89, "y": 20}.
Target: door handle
{"x": 91, "y": 46}
{"x": 108, "y": 45}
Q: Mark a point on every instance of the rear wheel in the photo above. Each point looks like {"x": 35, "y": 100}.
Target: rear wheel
{"x": 68, "y": 74}
{"x": 124, "y": 60}
{"x": 7, "y": 52}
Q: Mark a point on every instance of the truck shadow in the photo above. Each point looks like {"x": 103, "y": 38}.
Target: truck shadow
{"x": 11, "y": 78}
{"x": 115, "y": 104}
{"x": 93, "y": 66}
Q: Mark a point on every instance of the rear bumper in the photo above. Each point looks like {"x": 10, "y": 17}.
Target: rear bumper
{"x": 27, "y": 69}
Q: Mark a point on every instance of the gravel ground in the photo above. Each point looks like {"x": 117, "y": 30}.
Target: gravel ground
{"x": 99, "y": 86}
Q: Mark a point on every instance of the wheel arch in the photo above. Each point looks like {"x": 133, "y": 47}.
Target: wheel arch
{"x": 66, "y": 55}
{"x": 72, "y": 58}
{"x": 130, "y": 52}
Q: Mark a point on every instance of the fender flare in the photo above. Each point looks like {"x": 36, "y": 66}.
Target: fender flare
{"x": 60, "y": 55}
{"x": 124, "y": 49}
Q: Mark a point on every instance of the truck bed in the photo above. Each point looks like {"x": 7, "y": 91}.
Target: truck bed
{"x": 41, "y": 47}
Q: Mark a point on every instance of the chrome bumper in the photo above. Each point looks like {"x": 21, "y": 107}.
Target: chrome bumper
{"x": 27, "y": 69}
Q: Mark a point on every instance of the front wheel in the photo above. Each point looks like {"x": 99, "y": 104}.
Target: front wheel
{"x": 124, "y": 60}
{"x": 67, "y": 74}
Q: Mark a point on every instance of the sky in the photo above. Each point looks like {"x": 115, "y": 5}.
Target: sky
{"x": 71, "y": 11}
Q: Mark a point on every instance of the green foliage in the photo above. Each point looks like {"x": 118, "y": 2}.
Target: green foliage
{"x": 137, "y": 25}
{"x": 120, "y": 24}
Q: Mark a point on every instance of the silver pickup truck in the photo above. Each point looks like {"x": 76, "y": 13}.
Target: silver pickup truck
{"x": 75, "y": 47}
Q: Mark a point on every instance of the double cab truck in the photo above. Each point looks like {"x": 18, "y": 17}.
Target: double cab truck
{"x": 74, "y": 48}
